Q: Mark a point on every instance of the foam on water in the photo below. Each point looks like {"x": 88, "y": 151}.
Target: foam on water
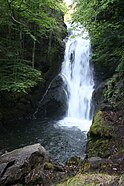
{"x": 69, "y": 122}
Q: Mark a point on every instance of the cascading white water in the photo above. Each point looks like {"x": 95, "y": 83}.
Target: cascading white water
{"x": 78, "y": 76}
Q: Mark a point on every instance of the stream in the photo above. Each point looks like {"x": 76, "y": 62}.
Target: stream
{"x": 61, "y": 142}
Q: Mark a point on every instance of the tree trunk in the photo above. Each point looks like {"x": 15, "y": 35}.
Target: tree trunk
{"x": 33, "y": 54}
{"x": 50, "y": 43}
{"x": 20, "y": 39}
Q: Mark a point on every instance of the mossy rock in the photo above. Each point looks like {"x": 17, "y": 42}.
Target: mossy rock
{"x": 99, "y": 127}
{"x": 74, "y": 161}
{"x": 99, "y": 137}
{"x": 98, "y": 148}
{"x": 48, "y": 166}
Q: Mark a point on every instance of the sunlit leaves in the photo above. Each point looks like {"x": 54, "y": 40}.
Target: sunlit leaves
{"x": 22, "y": 21}
{"x": 105, "y": 21}
{"x": 17, "y": 77}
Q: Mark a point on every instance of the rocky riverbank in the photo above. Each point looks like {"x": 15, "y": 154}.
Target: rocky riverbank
{"x": 31, "y": 165}
{"x": 104, "y": 163}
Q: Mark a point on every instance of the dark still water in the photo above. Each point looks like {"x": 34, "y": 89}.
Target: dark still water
{"x": 61, "y": 142}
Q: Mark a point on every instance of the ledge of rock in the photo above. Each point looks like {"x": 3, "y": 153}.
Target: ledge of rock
{"x": 21, "y": 165}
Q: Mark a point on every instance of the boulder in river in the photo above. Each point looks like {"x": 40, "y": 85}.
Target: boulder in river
{"x": 23, "y": 165}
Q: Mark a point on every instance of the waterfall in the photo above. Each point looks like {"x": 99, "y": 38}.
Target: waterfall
{"x": 77, "y": 74}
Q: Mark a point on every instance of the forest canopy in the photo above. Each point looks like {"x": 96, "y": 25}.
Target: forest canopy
{"x": 22, "y": 20}
{"x": 105, "y": 21}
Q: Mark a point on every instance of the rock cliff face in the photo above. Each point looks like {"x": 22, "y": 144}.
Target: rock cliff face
{"x": 106, "y": 135}
{"x": 54, "y": 102}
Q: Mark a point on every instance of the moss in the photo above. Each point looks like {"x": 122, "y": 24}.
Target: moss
{"x": 98, "y": 148}
{"x": 110, "y": 88}
{"x": 74, "y": 161}
{"x": 114, "y": 91}
{"x": 99, "y": 137}
{"x": 85, "y": 167}
{"x": 48, "y": 166}
{"x": 99, "y": 127}
{"x": 89, "y": 180}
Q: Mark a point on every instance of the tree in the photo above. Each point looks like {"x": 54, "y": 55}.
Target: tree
{"x": 104, "y": 20}
{"x": 22, "y": 20}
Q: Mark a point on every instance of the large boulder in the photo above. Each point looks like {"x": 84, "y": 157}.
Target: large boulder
{"x": 23, "y": 165}
{"x": 105, "y": 136}
{"x": 54, "y": 102}
{"x": 99, "y": 136}
{"x": 31, "y": 166}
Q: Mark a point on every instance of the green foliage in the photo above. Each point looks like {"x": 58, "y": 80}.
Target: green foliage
{"x": 22, "y": 21}
{"x": 120, "y": 67}
{"x": 110, "y": 88}
{"x": 104, "y": 20}
{"x": 98, "y": 148}
{"x": 114, "y": 91}
{"x": 18, "y": 77}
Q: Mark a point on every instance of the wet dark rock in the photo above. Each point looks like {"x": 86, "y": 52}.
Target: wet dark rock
{"x": 98, "y": 97}
{"x": 95, "y": 162}
{"x": 54, "y": 102}
{"x": 1, "y": 152}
